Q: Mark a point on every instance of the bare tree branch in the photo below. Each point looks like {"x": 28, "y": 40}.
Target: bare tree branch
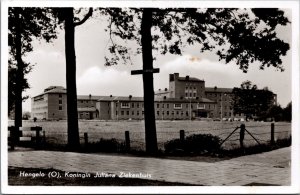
{"x": 89, "y": 14}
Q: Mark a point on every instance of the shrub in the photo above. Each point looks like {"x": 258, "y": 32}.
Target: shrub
{"x": 106, "y": 145}
{"x": 196, "y": 144}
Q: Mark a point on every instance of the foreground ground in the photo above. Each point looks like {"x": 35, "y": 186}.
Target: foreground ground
{"x": 269, "y": 168}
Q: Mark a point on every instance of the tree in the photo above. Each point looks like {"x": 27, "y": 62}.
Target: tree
{"x": 66, "y": 16}
{"x": 240, "y": 35}
{"x": 24, "y": 24}
{"x": 276, "y": 113}
{"x": 287, "y": 112}
{"x": 252, "y": 101}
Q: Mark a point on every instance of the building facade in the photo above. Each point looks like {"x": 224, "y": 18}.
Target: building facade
{"x": 187, "y": 98}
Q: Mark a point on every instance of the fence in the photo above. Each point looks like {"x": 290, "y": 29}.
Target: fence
{"x": 132, "y": 134}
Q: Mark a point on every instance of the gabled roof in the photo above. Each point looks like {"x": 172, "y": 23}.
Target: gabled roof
{"x": 87, "y": 97}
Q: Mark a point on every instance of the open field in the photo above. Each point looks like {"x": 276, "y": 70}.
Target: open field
{"x": 56, "y": 131}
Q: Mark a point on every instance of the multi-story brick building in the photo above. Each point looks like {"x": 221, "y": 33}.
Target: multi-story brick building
{"x": 186, "y": 98}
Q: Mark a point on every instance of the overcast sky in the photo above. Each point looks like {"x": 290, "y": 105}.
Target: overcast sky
{"x": 96, "y": 79}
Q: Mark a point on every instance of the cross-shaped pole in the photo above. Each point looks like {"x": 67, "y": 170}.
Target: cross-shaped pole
{"x": 154, "y": 70}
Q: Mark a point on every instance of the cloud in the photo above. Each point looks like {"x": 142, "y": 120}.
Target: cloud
{"x": 109, "y": 81}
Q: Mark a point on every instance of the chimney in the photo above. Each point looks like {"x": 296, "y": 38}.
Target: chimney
{"x": 166, "y": 89}
{"x": 176, "y": 76}
{"x": 187, "y": 77}
{"x": 215, "y": 88}
{"x": 165, "y": 97}
{"x": 171, "y": 77}
{"x": 130, "y": 96}
{"x": 90, "y": 96}
{"x": 159, "y": 89}
{"x": 110, "y": 96}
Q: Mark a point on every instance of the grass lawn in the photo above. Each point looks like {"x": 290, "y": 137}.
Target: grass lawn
{"x": 56, "y": 131}
{"x": 15, "y": 179}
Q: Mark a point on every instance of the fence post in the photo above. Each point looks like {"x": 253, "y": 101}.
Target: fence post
{"x": 37, "y": 136}
{"x": 12, "y": 136}
{"x": 86, "y": 140}
{"x": 242, "y": 135}
{"x": 272, "y": 133}
{"x": 127, "y": 141}
{"x": 44, "y": 137}
{"x": 181, "y": 133}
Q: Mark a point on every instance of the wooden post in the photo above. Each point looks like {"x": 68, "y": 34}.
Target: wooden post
{"x": 242, "y": 135}
{"x": 272, "y": 133}
{"x": 181, "y": 133}
{"x": 127, "y": 141}
{"x": 37, "y": 136}
{"x": 44, "y": 137}
{"x": 12, "y": 137}
{"x": 86, "y": 140}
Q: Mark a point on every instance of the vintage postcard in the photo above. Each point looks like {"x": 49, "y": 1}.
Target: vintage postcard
{"x": 149, "y": 97}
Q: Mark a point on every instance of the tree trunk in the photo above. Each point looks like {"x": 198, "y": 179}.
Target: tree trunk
{"x": 73, "y": 130}
{"x": 146, "y": 39}
{"x": 19, "y": 73}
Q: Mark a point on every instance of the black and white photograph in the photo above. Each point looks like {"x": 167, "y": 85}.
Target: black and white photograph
{"x": 150, "y": 97}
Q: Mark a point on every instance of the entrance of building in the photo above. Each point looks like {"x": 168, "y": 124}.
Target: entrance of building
{"x": 201, "y": 113}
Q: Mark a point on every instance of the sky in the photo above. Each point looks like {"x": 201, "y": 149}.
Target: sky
{"x": 93, "y": 77}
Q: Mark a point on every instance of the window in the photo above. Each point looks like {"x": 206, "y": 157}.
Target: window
{"x": 132, "y": 105}
{"x": 167, "y": 105}
{"x": 181, "y": 113}
{"x": 60, "y": 101}
{"x": 187, "y": 105}
{"x": 157, "y": 105}
{"x": 177, "y": 106}
{"x": 137, "y": 113}
{"x": 163, "y": 113}
{"x": 137, "y": 105}
{"x": 122, "y": 112}
{"x": 177, "y": 112}
{"x": 125, "y": 105}
{"x": 163, "y": 105}
{"x": 157, "y": 112}
{"x": 143, "y": 112}
{"x": 132, "y": 113}
{"x": 187, "y": 113}
{"x": 60, "y": 95}
{"x": 116, "y": 112}
{"x": 60, "y": 108}
{"x": 116, "y": 105}
{"x": 127, "y": 112}
{"x": 186, "y": 94}
{"x": 172, "y": 112}
{"x": 200, "y": 106}
{"x": 194, "y": 94}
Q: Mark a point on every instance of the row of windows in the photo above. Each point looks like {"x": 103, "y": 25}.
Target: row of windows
{"x": 39, "y": 107}
{"x": 137, "y": 113}
{"x": 162, "y": 105}
{"x": 86, "y": 101}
